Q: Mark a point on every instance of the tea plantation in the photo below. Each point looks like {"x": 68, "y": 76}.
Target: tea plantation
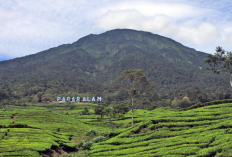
{"x": 33, "y": 129}
{"x": 201, "y": 132}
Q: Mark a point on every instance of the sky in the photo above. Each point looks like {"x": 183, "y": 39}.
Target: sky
{"x": 31, "y": 26}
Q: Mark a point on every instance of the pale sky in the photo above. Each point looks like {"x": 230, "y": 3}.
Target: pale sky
{"x": 31, "y": 26}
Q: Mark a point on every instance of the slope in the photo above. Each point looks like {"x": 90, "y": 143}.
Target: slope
{"x": 98, "y": 60}
{"x": 205, "y": 131}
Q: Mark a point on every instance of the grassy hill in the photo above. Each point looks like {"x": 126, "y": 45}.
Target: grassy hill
{"x": 34, "y": 130}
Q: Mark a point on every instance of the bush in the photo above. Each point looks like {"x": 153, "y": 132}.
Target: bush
{"x": 164, "y": 103}
{"x": 181, "y": 103}
{"x": 80, "y": 144}
{"x": 176, "y": 103}
{"x": 121, "y": 109}
{"x": 99, "y": 110}
{"x": 99, "y": 139}
{"x": 185, "y": 102}
{"x": 85, "y": 112}
{"x": 87, "y": 145}
{"x": 91, "y": 133}
{"x": 104, "y": 134}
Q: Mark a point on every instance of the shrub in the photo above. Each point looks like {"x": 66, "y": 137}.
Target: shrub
{"x": 87, "y": 145}
{"x": 99, "y": 139}
{"x": 80, "y": 144}
{"x": 104, "y": 134}
{"x": 176, "y": 103}
{"x": 185, "y": 102}
{"x": 91, "y": 133}
{"x": 85, "y": 112}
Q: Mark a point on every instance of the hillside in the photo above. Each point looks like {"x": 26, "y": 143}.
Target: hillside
{"x": 42, "y": 129}
{"x": 201, "y": 132}
{"x": 94, "y": 62}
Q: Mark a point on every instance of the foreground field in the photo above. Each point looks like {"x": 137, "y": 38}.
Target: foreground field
{"x": 33, "y": 130}
{"x": 201, "y": 132}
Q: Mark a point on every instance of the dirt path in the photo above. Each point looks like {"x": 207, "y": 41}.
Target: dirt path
{"x": 56, "y": 151}
{"x": 14, "y": 118}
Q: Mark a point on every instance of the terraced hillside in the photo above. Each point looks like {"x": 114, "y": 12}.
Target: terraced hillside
{"x": 35, "y": 130}
{"x": 201, "y": 132}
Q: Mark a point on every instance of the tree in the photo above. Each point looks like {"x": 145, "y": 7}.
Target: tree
{"x": 185, "y": 102}
{"x": 86, "y": 111}
{"x": 39, "y": 95}
{"x": 99, "y": 110}
{"x": 134, "y": 82}
{"x": 181, "y": 103}
{"x": 195, "y": 95}
{"x": 221, "y": 61}
{"x": 109, "y": 111}
{"x": 8, "y": 89}
{"x": 3, "y": 95}
{"x": 120, "y": 109}
{"x": 176, "y": 102}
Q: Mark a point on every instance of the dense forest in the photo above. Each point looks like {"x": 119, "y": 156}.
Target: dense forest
{"x": 92, "y": 65}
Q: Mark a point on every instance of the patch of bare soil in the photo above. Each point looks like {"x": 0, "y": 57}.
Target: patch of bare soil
{"x": 14, "y": 118}
{"x": 80, "y": 138}
{"x": 56, "y": 151}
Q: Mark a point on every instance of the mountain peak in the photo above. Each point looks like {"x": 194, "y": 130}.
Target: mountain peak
{"x": 101, "y": 58}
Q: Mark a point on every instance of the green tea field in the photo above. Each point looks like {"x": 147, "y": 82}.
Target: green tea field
{"x": 33, "y": 130}
{"x": 201, "y": 132}
{"x": 42, "y": 129}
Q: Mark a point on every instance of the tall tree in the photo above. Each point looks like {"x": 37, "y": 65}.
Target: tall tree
{"x": 134, "y": 82}
{"x": 99, "y": 110}
{"x": 221, "y": 61}
{"x": 39, "y": 95}
{"x": 120, "y": 109}
{"x": 109, "y": 111}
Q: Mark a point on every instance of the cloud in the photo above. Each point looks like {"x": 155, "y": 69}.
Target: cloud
{"x": 227, "y": 37}
{"x": 29, "y": 27}
{"x": 8, "y": 15}
{"x": 148, "y": 8}
{"x": 202, "y": 25}
{"x": 204, "y": 33}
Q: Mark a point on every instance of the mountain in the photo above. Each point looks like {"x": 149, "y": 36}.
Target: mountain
{"x": 94, "y": 62}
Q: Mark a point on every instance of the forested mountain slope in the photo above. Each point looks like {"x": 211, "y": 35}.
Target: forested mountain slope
{"x": 95, "y": 61}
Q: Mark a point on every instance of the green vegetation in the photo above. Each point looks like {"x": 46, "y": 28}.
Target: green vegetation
{"x": 135, "y": 83}
{"x": 175, "y": 119}
{"x": 90, "y": 67}
{"x": 221, "y": 61}
{"x": 32, "y": 130}
{"x": 95, "y": 138}
{"x": 197, "y": 132}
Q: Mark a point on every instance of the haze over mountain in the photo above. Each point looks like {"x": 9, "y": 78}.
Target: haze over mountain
{"x": 97, "y": 60}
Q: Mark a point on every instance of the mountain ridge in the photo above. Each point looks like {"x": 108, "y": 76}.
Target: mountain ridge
{"x": 100, "y": 59}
